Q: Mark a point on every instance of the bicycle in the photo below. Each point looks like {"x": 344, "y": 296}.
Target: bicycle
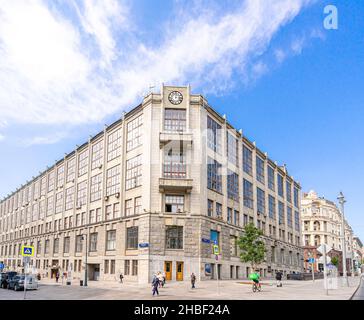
{"x": 257, "y": 287}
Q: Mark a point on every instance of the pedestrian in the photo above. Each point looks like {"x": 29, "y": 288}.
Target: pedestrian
{"x": 160, "y": 278}
{"x": 57, "y": 276}
{"x": 164, "y": 279}
{"x": 193, "y": 280}
{"x": 155, "y": 284}
{"x": 279, "y": 278}
{"x": 121, "y": 278}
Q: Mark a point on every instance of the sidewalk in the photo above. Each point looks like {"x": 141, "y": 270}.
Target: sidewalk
{"x": 227, "y": 290}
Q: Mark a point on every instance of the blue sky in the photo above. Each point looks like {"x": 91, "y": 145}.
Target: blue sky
{"x": 69, "y": 67}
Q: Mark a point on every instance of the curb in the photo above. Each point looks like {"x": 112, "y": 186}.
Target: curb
{"x": 356, "y": 290}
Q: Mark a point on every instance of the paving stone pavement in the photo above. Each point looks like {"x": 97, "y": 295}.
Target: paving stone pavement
{"x": 206, "y": 290}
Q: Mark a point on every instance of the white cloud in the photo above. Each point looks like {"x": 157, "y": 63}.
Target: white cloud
{"x": 50, "y": 72}
{"x": 2, "y": 137}
{"x": 51, "y": 139}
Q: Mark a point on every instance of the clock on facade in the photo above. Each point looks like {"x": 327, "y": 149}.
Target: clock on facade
{"x": 175, "y": 97}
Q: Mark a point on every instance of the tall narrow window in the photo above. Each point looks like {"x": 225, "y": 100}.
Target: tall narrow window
{"x": 232, "y": 149}
{"x": 59, "y": 202}
{"x": 97, "y": 154}
{"x": 288, "y": 191}
{"x": 114, "y": 145}
{"x": 214, "y": 178}
{"x": 60, "y": 176}
{"x": 134, "y": 133}
{"x": 271, "y": 184}
{"x": 295, "y": 197}
{"x": 51, "y": 181}
{"x": 70, "y": 193}
{"x": 247, "y": 161}
{"x": 132, "y": 238}
{"x": 71, "y": 164}
{"x": 248, "y": 194}
{"x": 233, "y": 185}
{"x": 260, "y": 169}
{"x": 281, "y": 212}
{"x": 272, "y": 207}
{"x": 96, "y": 187}
{"x": 260, "y": 201}
{"x": 93, "y": 242}
{"x": 134, "y": 172}
{"x": 82, "y": 163}
{"x": 289, "y": 216}
{"x": 113, "y": 180}
{"x": 213, "y": 135}
{"x": 111, "y": 240}
{"x": 280, "y": 185}
{"x": 81, "y": 193}
{"x": 210, "y": 207}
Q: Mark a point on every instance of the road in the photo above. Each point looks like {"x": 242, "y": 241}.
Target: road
{"x": 359, "y": 295}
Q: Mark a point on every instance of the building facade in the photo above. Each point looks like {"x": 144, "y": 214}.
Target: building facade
{"x": 321, "y": 224}
{"x": 152, "y": 192}
{"x": 358, "y": 253}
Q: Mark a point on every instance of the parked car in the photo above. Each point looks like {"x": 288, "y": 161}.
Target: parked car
{"x": 17, "y": 282}
{"x": 6, "y": 277}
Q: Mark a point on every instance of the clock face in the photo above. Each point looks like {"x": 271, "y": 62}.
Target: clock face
{"x": 175, "y": 97}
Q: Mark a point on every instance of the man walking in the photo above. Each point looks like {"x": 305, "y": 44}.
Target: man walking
{"x": 155, "y": 284}
{"x": 121, "y": 278}
{"x": 279, "y": 278}
{"x": 193, "y": 280}
{"x": 57, "y": 276}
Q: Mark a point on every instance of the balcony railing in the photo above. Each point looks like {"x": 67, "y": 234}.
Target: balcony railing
{"x": 175, "y": 170}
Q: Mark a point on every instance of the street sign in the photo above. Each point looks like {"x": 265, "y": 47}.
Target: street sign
{"x": 204, "y": 240}
{"x": 144, "y": 245}
{"x": 216, "y": 249}
{"x": 321, "y": 259}
{"x": 2, "y": 266}
{"x": 27, "y": 251}
{"x": 311, "y": 260}
{"x": 321, "y": 248}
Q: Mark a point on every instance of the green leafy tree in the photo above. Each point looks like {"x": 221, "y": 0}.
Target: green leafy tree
{"x": 335, "y": 261}
{"x": 251, "y": 246}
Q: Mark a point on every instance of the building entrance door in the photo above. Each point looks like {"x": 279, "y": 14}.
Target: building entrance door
{"x": 168, "y": 270}
{"x": 179, "y": 269}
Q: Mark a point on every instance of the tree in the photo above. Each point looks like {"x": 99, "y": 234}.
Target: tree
{"x": 251, "y": 246}
{"x": 335, "y": 261}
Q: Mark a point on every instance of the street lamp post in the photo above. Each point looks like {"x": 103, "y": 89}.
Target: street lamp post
{"x": 342, "y": 200}
{"x": 85, "y": 281}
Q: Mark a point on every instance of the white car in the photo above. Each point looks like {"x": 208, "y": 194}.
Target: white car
{"x": 17, "y": 283}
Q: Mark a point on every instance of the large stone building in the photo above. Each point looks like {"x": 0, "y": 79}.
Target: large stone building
{"x": 321, "y": 224}
{"x": 152, "y": 192}
{"x": 358, "y": 253}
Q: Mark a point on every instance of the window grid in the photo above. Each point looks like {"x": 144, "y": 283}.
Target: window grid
{"x": 260, "y": 201}
{"x": 69, "y": 198}
{"x": 214, "y": 178}
{"x": 232, "y": 149}
{"x": 132, "y": 238}
{"x": 272, "y": 207}
{"x": 174, "y": 203}
{"x": 174, "y": 237}
{"x": 248, "y": 194}
{"x": 59, "y": 202}
{"x": 81, "y": 193}
{"x": 271, "y": 184}
{"x": 247, "y": 161}
{"x": 260, "y": 169}
{"x": 114, "y": 145}
{"x": 113, "y": 180}
{"x": 111, "y": 240}
{"x": 60, "y": 176}
{"x": 233, "y": 185}
{"x": 96, "y": 187}
{"x": 71, "y": 166}
{"x": 213, "y": 135}
{"x": 134, "y": 133}
{"x": 82, "y": 163}
{"x": 51, "y": 181}
{"x": 133, "y": 172}
{"x": 97, "y": 154}
{"x": 281, "y": 212}
{"x": 175, "y": 120}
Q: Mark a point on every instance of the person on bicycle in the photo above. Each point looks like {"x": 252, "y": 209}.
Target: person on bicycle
{"x": 255, "y": 277}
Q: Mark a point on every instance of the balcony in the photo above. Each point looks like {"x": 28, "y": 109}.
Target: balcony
{"x": 166, "y": 137}
{"x": 173, "y": 184}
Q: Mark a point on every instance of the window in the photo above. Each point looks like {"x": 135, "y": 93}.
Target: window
{"x": 214, "y": 179}
{"x": 108, "y": 212}
{"x": 233, "y": 185}
{"x": 210, "y": 207}
{"x": 295, "y": 197}
{"x": 112, "y": 266}
{"x": 114, "y": 145}
{"x": 56, "y": 245}
{"x": 132, "y": 238}
{"x": 82, "y": 163}
{"x": 135, "y": 268}
{"x": 229, "y": 215}
{"x": 260, "y": 201}
{"x": 133, "y": 172}
{"x": 60, "y": 176}
{"x": 81, "y": 193}
{"x": 232, "y": 149}
{"x": 129, "y": 207}
{"x": 289, "y": 216}
{"x": 96, "y": 187}
{"x": 175, "y": 120}
{"x": 93, "y": 242}
{"x": 106, "y": 266}
{"x": 174, "y": 237}
{"x": 69, "y": 198}
{"x": 79, "y": 243}
{"x": 66, "y": 245}
{"x": 288, "y": 191}
{"x": 78, "y": 220}
{"x": 111, "y": 240}
{"x": 127, "y": 267}
{"x": 92, "y": 217}
{"x": 134, "y": 133}
{"x": 271, "y": 184}
{"x": 272, "y": 207}
{"x": 46, "y": 246}
{"x": 36, "y": 193}
{"x": 247, "y": 161}
{"x": 97, "y": 154}
{"x": 174, "y": 165}
{"x": 233, "y": 246}
{"x": 39, "y": 247}
{"x": 236, "y": 217}
{"x": 98, "y": 215}
{"x": 113, "y": 181}
{"x": 51, "y": 181}
{"x": 218, "y": 209}
{"x": 41, "y": 209}
{"x": 49, "y": 206}
{"x": 297, "y": 220}
{"x": 174, "y": 203}
{"x": 213, "y": 135}
{"x": 138, "y": 205}
{"x": 59, "y": 202}
{"x": 71, "y": 170}
{"x": 260, "y": 169}
{"x": 248, "y": 194}
{"x": 280, "y": 212}
{"x": 280, "y": 185}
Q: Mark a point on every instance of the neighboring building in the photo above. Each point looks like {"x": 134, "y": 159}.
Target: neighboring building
{"x": 152, "y": 192}
{"x": 358, "y": 253}
{"x": 321, "y": 224}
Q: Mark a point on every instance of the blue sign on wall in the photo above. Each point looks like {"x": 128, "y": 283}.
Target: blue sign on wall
{"x": 311, "y": 260}
{"x": 207, "y": 269}
{"x": 204, "y": 240}
{"x": 144, "y": 245}
{"x": 2, "y": 266}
